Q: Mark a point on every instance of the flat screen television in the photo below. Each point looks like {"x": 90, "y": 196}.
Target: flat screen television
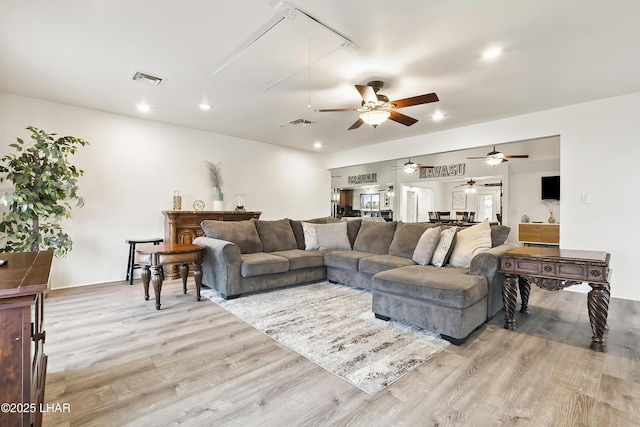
{"x": 551, "y": 188}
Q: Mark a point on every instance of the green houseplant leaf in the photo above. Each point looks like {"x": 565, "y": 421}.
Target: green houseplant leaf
{"x": 45, "y": 185}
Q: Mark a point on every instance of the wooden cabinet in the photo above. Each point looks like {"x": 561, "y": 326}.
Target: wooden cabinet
{"x": 542, "y": 234}
{"x": 23, "y": 364}
{"x": 184, "y": 227}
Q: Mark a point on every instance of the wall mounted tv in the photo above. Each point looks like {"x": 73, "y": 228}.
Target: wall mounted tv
{"x": 551, "y": 188}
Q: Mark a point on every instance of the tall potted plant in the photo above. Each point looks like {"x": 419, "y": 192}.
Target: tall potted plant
{"x": 45, "y": 185}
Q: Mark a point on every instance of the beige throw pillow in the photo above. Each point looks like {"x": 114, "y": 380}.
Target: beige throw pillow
{"x": 426, "y": 246}
{"x": 469, "y": 242}
{"x": 333, "y": 237}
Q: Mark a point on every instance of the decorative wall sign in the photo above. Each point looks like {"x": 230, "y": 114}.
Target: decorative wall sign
{"x": 443, "y": 171}
{"x": 365, "y": 178}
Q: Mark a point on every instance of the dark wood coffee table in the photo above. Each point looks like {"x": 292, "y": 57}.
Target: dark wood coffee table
{"x": 152, "y": 258}
{"x": 554, "y": 269}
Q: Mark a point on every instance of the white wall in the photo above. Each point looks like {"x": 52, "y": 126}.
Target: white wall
{"x": 132, "y": 168}
{"x": 599, "y": 155}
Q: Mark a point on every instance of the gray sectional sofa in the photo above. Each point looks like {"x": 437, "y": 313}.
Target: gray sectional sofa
{"x": 249, "y": 256}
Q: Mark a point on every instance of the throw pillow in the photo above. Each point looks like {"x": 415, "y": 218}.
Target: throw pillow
{"x": 469, "y": 242}
{"x": 443, "y": 250}
{"x": 276, "y": 235}
{"x": 242, "y": 233}
{"x": 499, "y": 234}
{"x": 333, "y": 237}
{"x": 310, "y": 232}
{"x": 375, "y": 237}
{"x": 426, "y": 246}
{"x": 406, "y": 238}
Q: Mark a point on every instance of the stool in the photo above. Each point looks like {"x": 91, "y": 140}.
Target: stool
{"x": 131, "y": 265}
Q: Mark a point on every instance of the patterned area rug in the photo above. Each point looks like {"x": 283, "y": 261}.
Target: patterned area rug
{"x": 334, "y": 327}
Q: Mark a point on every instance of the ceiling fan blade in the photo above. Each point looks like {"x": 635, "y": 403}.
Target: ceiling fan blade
{"x": 401, "y": 118}
{"x": 518, "y": 156}
{"x": 482, "y": 157}
{"x": 416, "y": 100}
{"x": 357, "y": 124}
{"x": 367, "y": 93}
{"x": 334, "y": 110}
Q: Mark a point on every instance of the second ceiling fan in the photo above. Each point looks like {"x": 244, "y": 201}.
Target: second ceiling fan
{"x": 376, "y": 107}
{"x": 496, "y": 157}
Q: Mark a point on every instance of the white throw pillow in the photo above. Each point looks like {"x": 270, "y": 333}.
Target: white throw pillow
{"x": 426, "y": 246}
{"x": 333, "y": 237}
{"x": 310, "y": 236}
{"x": 469, "y": 242}
{"x": 444, "y": 245}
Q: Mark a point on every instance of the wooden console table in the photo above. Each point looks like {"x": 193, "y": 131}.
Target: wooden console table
{"x": 554, "y": 269}
{"x": 539, "y": 234}
{"x": 23, "y": 364}
{"x": 184, "y": 227}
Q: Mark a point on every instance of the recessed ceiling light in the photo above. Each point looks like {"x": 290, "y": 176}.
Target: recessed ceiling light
{"x": 438, "y": 115}
{"x": 492, "y": 52}
{"x": 205, "y": 107}
{"x": 317, "y": 144}
{"x": 144, "y": 108}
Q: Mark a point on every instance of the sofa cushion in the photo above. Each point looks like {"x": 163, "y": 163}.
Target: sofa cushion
{"x": 445, "y": 246}
{"x": 447, "y": 286}
{"x": 296, "y": 226}
{"x": 242, "y": 233}
{"x": 348, "y": 260}
{"x": 377, "y": 263}
{"x": 299, "y": 258}
{"x": 276, "y": 235}
{"x": 375, "y": 237}
{"x": 353, "y": 226}
{"x": 499, "y": 234}
{"x": 259, "y": 263}
{"x": 333, "y": 237}
{"x": 469, "y": 242}
{"x": 426, "y": 246}
{"x": 406, "y": 237}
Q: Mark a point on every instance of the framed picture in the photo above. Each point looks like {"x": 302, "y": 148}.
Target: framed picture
{"x": 459, "y": 200}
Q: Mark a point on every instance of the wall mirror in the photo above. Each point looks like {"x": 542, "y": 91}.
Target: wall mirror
{"x": 500, "y": 192}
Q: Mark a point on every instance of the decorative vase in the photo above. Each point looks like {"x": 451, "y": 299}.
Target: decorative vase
{"x": 552, "y": 220}
{"x": 177, "y": 201}
{"x": 524, "y": 219}
{"x": 240, "y": 202}
{"x": 218, "y": 199}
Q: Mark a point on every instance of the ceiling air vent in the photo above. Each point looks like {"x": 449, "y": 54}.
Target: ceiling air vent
{"x": 146, "y": 78}
{"x": 300, "y": 123}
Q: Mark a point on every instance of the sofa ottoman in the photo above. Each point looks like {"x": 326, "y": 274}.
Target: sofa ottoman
{"x": 443, "y": 299}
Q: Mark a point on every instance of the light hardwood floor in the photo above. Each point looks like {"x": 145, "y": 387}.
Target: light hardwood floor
{"x": 117, "y": 361}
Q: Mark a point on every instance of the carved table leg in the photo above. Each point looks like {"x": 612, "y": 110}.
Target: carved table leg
{"x": 525, "y": 291}
{"x": 146, "y": 276}
{"x": 156, "y": 280}
{"x": 197, "y": 275}
{"x": 598, "y": 305}
{"x": 184, "y": 272}
{"x": 509, "y": 295}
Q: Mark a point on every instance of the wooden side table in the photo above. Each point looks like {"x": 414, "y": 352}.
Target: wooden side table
{"x": 154, "y": 257}
{"x": 554, "y": 269}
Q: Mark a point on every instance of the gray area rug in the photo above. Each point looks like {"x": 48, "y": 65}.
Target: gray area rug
{"x": 334, "y": 327}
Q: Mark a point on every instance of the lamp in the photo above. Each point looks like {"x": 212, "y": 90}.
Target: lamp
{"x": 375, "y": 117}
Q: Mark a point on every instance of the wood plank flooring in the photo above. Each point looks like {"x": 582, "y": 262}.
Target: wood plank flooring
{"x": 117, "y": 361}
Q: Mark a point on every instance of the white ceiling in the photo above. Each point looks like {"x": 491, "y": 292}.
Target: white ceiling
{"x": 82, "y": 52}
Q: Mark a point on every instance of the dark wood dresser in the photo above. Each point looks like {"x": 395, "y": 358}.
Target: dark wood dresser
{"x": 184, "y": 226}
{"x": 23, "y": 364}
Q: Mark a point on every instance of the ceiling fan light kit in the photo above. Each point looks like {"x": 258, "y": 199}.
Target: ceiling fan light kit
{"x": 410, "y": 167}
{"x": 375, "y": 117}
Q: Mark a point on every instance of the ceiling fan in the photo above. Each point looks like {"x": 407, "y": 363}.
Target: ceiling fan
{"x": 411, "y": 167}
{"x": 470, "y": 186}
{"x": 376, "y": 108}
{"x": 496, "y": 157}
